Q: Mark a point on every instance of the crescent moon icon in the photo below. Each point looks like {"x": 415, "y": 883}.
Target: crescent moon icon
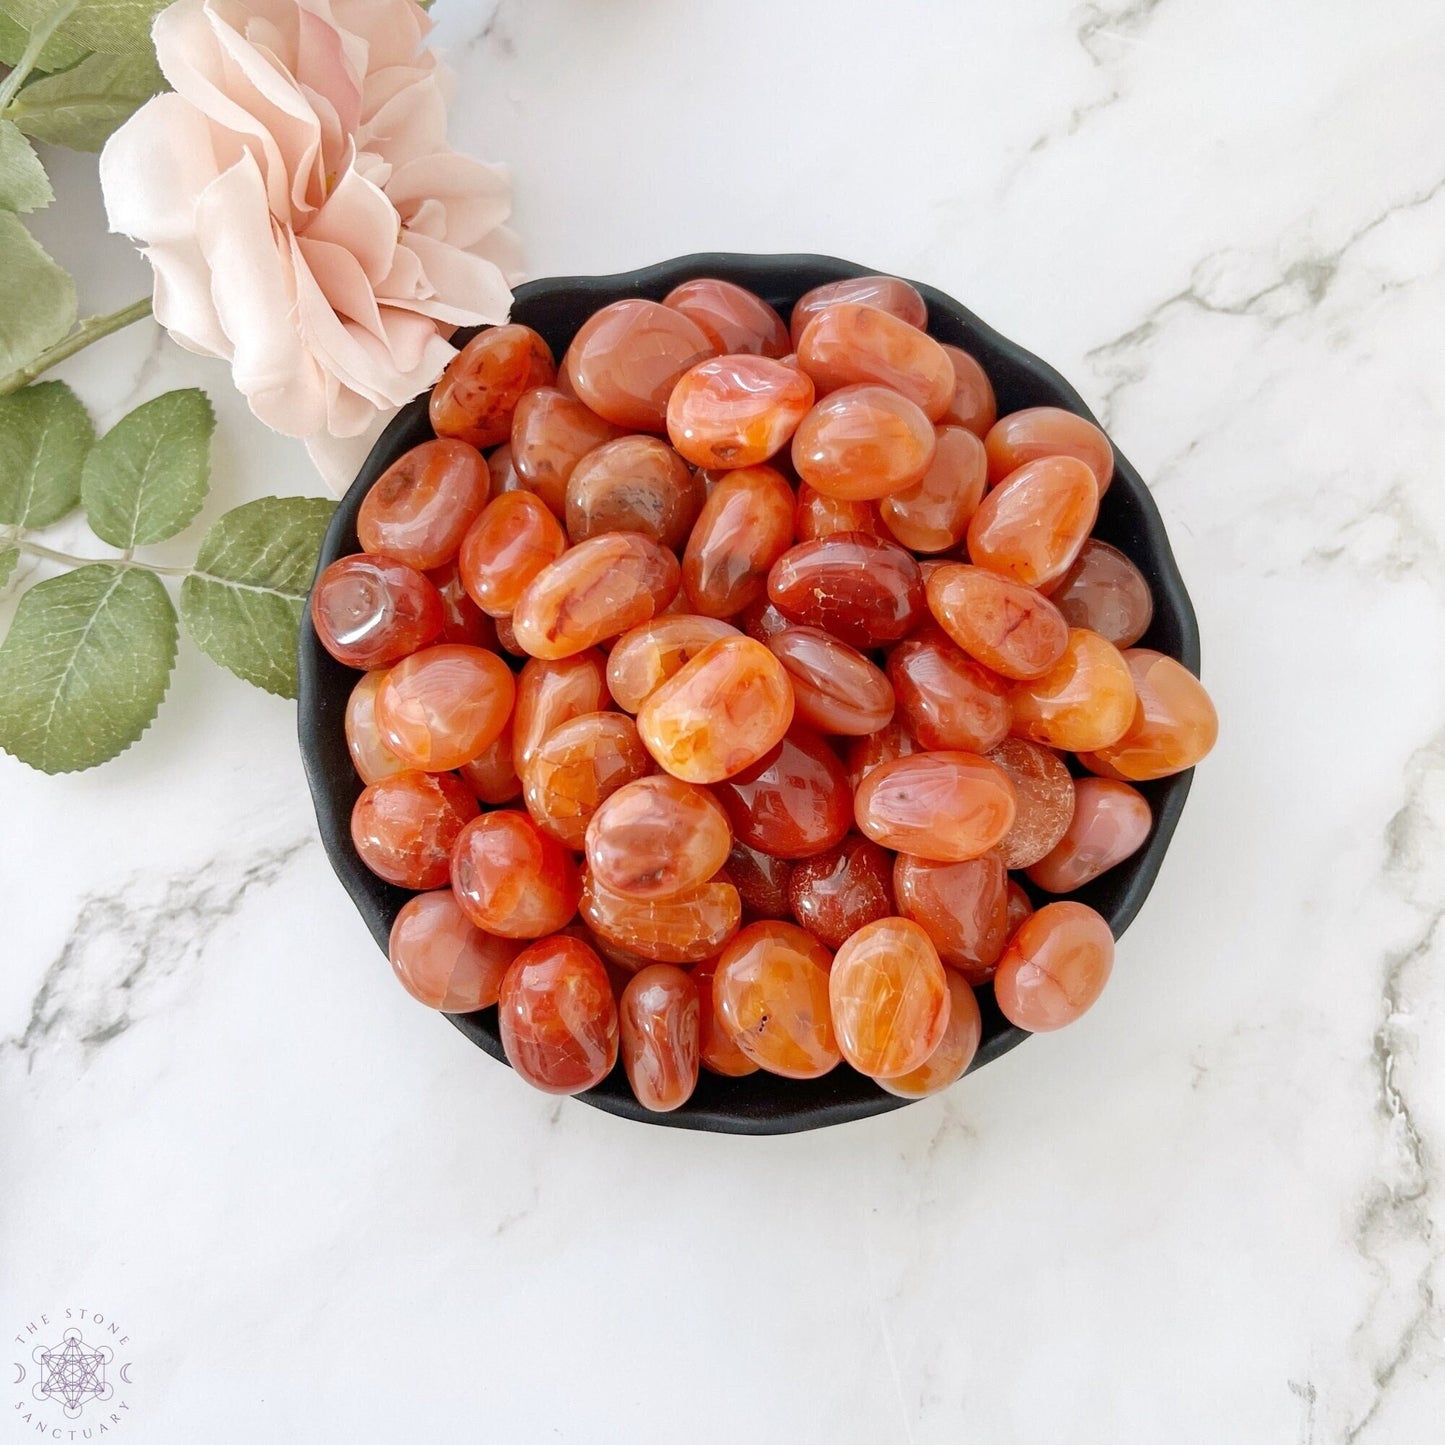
{"x": 123, "y": 1374}
{"x": 19, "y": 1374}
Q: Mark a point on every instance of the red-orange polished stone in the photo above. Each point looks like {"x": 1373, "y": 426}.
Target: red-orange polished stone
{"x": 1054, "y": 968}
{"x": 864, "y": 590}
{"x": 1173, "y": 727}
{"x": 1047, "y": 431}
{"x": 956, "y": 1049}
{"x": 736, "y": 411}
{"x": 761, "y": 881}
{"x": 685, "y": 928}
{"x": 851, "y": 343}
{"x": 1084, "y": 702}
{"x": 793, "y": 802}
{"x": 551, "y": 433}
{"x": 835, "y": 688}
{"x": 404, "y": 827}
{"x": 933, "y": 514}
{"x": 444, "y": 960}
{"x": 462, "y": 620}
{"x": 1032, "y": 526}
{"x": 579, "y": 764}
{"x": 887, "y": 293}
{"x": 974, "y": 405}
{"x": 557, "y": 1016}
{"x": 443, "y": 706}
{"x": 479, "y": 391}
{"x": 745, "y": 525}
{"x": 1110, "y": 823}
{"x": 945, "y": 698}
{"x": 644, "y": 658}
{"x": 963, "y": 907}
{"x": 661, "y": 1025}
{"x": 1044, "y": 792}
{"x": 371, "y": 755}
{"x": 657, "y": 837}
{"x": 420, "y": 507}
{"x": 888, "y": 743}
{"x": 863, "y": 442}
{"x": 833, "y": 894}
{"x": 490, "y": 775}
{"x": 370, "y": 611}
{"x": 511, "y": 878}
{"x": 633, "y": 484}
{"x": 818, "y": 516}
{"x": 515, "y": 537}
{"x": 1011, "y": 628}
{"x": 946, "y": 806}
{"x": 719, "y": 1054}
{"x": 551, "y": 692}
{"x": 734, "y": 320}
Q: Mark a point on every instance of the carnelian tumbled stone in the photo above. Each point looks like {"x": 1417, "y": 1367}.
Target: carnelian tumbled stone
{"x": 551, "y": 692}
{"x": 1010, "y": 628}
{"x": 1110, "y": 823}
{"x": 557, "y": 1016}
{"x": 1174, "y": 723}
{"x": 933, "y": 514}
{"x": 404, "y": 827}
{"x": 945, "y": 698}
{"x": 1044, "y": 792}
{"x": 947, "y": 806}
{"x": 579, "y": 765}
{"x": 835, "y": 688}
{"x": 420, "y": 507}
{"x": 865, "y": 754}
{"x": 850, "y": 343}
{"x": 660, "y": 1036}
{"x": 1105, "y": 592}
{"x": 793, "y": 801}
{"x": 1020, "y": 906}
{"x": 1054, "y": 968}
{"x": 657, "y": 837}
{"x": 511, "y": 878}
{"x": 962, "y": 907}
{"x": 818, "y": 516}
{"x": 515, "y": 537}
{"x": 761, "y": 881}
{"x": 736, "y": 321}
{"x": 371, "y": 754}
{"x": 719, "y": 1054}
{"x": 770, "y": 994}
{"x": 443, "y": 706}
{"x": 490, "y": 775}
{"x": 745, "y": 525}
{"x": 551, "y": 433}
{"x": 480, "y": 389}
{"x": 863, "y": 442}
{"x": 462, "y": 620}
{"x": 833, "y": 894}
{"x": 442, "y": 959}
{"x": 370, "y": 611}
{"x": 599, "y": 588}
{"x": 719, "y": 713}
{"x": 685, "y": 928}
{"x": 1032, "y": 526}
{"x": 950, "y": 1060}
{"x": 889, "y": 998}
{"x": 633, "y": 484}
{"x": 862, "y": 589}
{"x": 973, "y": 405}
{"x": 1047, "y": 431}
{"x": 886, "y": 293}
{"x": 628, "y": 356}
{"x": 1085, "y": 701}
{"x": 643, "y": 659}
{"x": 736, "y": 411}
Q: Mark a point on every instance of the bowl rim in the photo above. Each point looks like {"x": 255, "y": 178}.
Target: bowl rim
{"x": 808, "y": 1104}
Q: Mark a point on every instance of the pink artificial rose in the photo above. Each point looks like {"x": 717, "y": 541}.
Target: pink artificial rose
{"x": 303, "y": 213}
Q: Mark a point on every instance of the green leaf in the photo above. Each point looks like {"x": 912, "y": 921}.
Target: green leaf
{"x": 146, "y": 478}
{"x": 118, "y": 27}
{"x": 85, "y": 666}
{"x": 79, "y": 108}
{"x": 243, "y": 602}
{"x": 9, "y": 556}
{"x": 45, "y": 433}
{"x": 58, "y": 52}
{"x": 37, "y": 298}
{"x": 24, "y": 185}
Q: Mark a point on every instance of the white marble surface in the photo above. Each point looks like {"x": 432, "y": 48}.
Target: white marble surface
{"x": 1212, "y": 1212}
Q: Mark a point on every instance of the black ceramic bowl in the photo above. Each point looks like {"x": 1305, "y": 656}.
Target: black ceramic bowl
{"x": 557, "y": 307}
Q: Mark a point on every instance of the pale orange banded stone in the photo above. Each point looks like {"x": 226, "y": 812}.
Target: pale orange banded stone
{"x": 444, "y": 960}
{"x": 1032, "y": 526}
{"x": 511, "y": 879}
{"x": 1011, "y": 628}
{"x": 643, "y": 659}
{"x": 835, "y": 688}
{"x": 933, "y": 514}
{"x": 515, "y": 537}
{"x": 660, "y": 1036}
{"x": 849, "y": 343}
{"x": 720, "y": 1055}
{"x": 404, "y": 827}
{"x": 862, "y": 442}
{"x": 548, "y": 693}
{"x": 371, "y": 754}
{"x": 579, "y": 765}
{"x": 1086, "y": 701}
{"x": 947, "y": 806}
{"x": 735, "y": 320}
{"x": 956, "y": 1049}
{"x": 1055, "y": 967}
{"x": 1047, "y": 431}
{"x": 736, "y": 411}
{"x": 685, "y": 928}
{"x": 887, "y": 293}
{"x": 657, "y": 837}
{"x": 973, "y": 405}
{"x": 445, "y": 705}
{"x": 1174, "y": 724}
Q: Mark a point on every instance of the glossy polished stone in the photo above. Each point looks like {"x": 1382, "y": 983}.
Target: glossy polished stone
{"x": 557, "y": 1017}
{"x": 644, "y": 658}
{"x": 850, "y": 343}
{"x": 462, "y": 620}
{"x": 1054, "y": 968}
{"x": 371, "y": 755}
{"x": 863, "y": 442}
{"x": 863, "y": 590}
{"x": 1174, "y": 724}
{"x": 578, "y": 765}
{"x": 955, "y": 1052}
{"x": 1110, "y": 823}
{"x": 1047, "y": 431}
{"x": 511, "y": 879}
{"x": 444, "y": 960}
{"x": 686, "y": 928}
{"x": 945, "y": 699}
{"x": 886, "y": 293}
{"x": 1084, "y": 702}
{"x": 736, "y": 411}
{"x": 761, "y": 881}
{"x": 888, "y": 743}
{"x": 479, "y": 391}
{"x": 793, "y": 802}
{"x": 551, "y": 692}
{"x": 1011, "y": 628}
{"x": 490, "y": 775}
{"x": 947, "y": 806}
{"x": 1105, "y": 592}
{"x": 973, "y": 405}
{"x": 1044, "y": 793}
{"x": 661, "y": 1028}
{"x": 718, "y": 1053}
{"x": 370, "y": 611}
{"x": 515, "y": 537}
{"x": 1032, "y": 525}
{"x": 657, "y": 837}
{"x": 404, "y": 827}
{"x": 834, "y": 893}
{"x": 420, "y": 507}
{"x": 633, "y": 484}
{"x": 933, "y": 514}
{"x": 443, "y": 706}
{"x": 551, "y": 433}
{"x": 735, "y": 321}
{"x": 963, "y": 907}
{"x": 745, "y": 525}
{"x": 835, "y": 688}
{"x": 818, "y": 516}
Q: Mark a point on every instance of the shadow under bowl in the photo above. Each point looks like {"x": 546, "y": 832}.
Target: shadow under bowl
{"x": 556, "y": 307}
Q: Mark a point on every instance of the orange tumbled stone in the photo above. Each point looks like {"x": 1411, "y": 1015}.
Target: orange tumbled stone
{"x": 745, "y": 525}
{"x": 1105, "y": 592}
{"x": 479, "y": 391}
{"x": 551, "y": 433}
{"x": 761, "y": 881}
{"x": 719, "y": 713}
{"x": 443, "y": 706}
{"x": 1174, "y": 723}
{"x": 557, "y": 1016}
{"x": 370, "y": 611}
{"x": 886, "y": 293}
{"x": 946, "y": 806}
{"x": 444, "y": 960}
{"x": 627, "y": 357}
{"x": 511, "y": 878}
{"x": 1110, "y": 823}
{"x": 1044, "y": 792}
{"x": 1047, "y": 431}
{"x": 515, "y": 537}
{"x": 889, "y": 998}
{"x": 551, "y": 692}
{"x": 1085, "y": 701}
{"x": 1020, "y": 906}
{"x": 833, "y": 894}
{"x": 933, "y": 514}
{"x": 657, "y": 837}
{"x": 1011, "y": 628}
{"x": 719, "y": 1054}
{"x": 793, "y": 802}
{"x": 1054, "y": 968}
{"x": 851, "y": 343}
{"x": 371, "y": 755}
{"x": 863, "y": 442}
{"x": 946, "y": 699}
{"x": 736, "y": 321}
{"x": 736, "y": 411}
{"x": 888, "y": 743}
{"x": 579, "y": 765}
{"x": 633, "y": 484}
{"x": 404, "y": 827}
{"x": 962, "y": 907}
{"x": 866, "y": 591}
{"x": 1032, "y": 526}
{"x": 661, "y": 1023}
{"x": 685, "y": 928}
{"x": 973, "y": 405}
{"x": 420, "y": 507}
{"x": 818, "y": 516}
{"x": 835, "y": 688}
{"x": 770, "y": 995}
{"x": 490, "y": 775}
{"x": 598, "y": 589}
{"x": 462, "y": 620}
{"x": 644, "y": 658}
{"x": 955, "y": 1052}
